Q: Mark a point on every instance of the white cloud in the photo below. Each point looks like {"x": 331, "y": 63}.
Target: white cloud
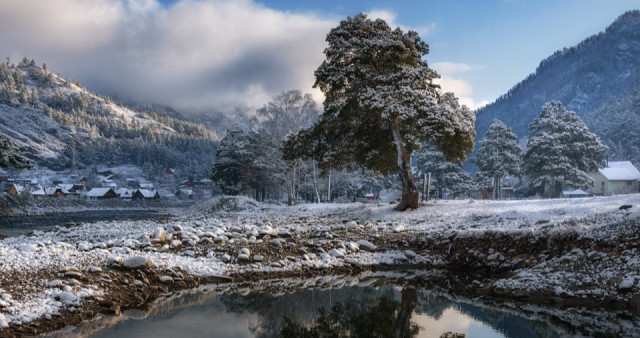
{"x": 211, "y": 54}
{"x": 452, "y": 80}
{"x": 390, "y": 18}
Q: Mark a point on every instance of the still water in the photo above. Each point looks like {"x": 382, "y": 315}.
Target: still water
{"x": 388, "y": 310}
{"x": 14, "y": 226}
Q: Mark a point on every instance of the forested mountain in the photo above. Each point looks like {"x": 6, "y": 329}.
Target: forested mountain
{"x": 586, "y": 78}
{"x": 54, "y": 120}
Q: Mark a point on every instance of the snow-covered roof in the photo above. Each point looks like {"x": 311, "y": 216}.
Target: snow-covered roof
{"x": 147, "y": 193}
{"x": 124, "y": 192}
{"x": 146, "y": 186}
{"x": 620, "y": 171}
{"x": 97, "y": 192}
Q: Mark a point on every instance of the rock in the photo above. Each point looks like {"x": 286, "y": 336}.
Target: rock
{"x": 351, "y": 246}
{"x": 166, "y": 279}
{"x": 625, "y": 207}
{"x": 137, "y": 262}
{"x": 164, "y": 248}
{"x": 258, "y": 258}
{"x": 336, "y": 253}
{"x": 245, "y": 251}
{"x": 243, "y": 257}
{"x": 275, "y": 242}
{"x": 177, "y": 228}
{"x": 398, "y": 228}
{"x": 3, "y": 322}
{"x": 410, "y": 254}
{"x": 74, "y": 274}
{"x": 27, "y": 247}
{"x": 626, "y": 284}
{"x": 114, "y": 260}
{"x": 176, "y": 243}
{"x": 275, "y": 264}
{"x": 366, "y": 245}
{"x": 95, "y": 269}
{"x": 65, "y": 297}
{"x": 226, "y": 258}
{"x": 160, "y": 235}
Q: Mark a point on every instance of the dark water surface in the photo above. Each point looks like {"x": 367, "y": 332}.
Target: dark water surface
{"x": 14, "y": 226}
{"x": 362, "y": 311}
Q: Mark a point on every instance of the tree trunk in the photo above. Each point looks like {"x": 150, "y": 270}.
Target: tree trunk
{"x": 410, "y": 198}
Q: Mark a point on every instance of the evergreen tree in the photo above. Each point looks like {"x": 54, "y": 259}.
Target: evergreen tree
{"x": 498, "y": 156}
{"x": 445, "y": 175}
{"x": 236, "y": 167}
{"x": 10, "y": 155}
{"x": 380, "y": 104}
{"x": 560, "y": 149}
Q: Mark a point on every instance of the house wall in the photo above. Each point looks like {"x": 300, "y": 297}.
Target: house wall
{"x": 612, "y": 187}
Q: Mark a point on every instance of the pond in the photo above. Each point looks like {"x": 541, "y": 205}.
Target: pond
{"x": 324, "y": 306}
{"x": 14, "y": 226}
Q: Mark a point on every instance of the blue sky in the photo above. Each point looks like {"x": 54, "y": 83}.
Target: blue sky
{"x": 217, "y": 55}
{"x": 501, "y": 41}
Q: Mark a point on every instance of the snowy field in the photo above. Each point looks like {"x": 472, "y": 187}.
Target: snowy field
{"x": 44, "y": 273}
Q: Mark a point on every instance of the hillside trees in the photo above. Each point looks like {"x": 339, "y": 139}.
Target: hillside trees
{"x": 10, "y": 155}
{"x": 498, "y": 156}
{"x": 560, "y": 149}
{"x": 380, "y": 104}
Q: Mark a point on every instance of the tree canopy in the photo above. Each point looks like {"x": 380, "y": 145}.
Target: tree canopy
{"x": 560, "y": 150}
{"x": 498, "y": 156}
{"x": 380, "y": 105}
{"x": 10, "y": 155}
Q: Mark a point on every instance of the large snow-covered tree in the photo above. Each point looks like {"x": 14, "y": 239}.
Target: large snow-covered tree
{"x": 445, "y": 175}
{"x": 560, "y": 149}
{"x": 10, "y": 155}
{"x": 380, "y": 105}
{"x": 498, "y": 156}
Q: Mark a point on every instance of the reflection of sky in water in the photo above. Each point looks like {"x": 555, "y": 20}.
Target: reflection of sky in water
{"x": 261, "y": 314}
{"x": 455, "y": 321}
{"x": 197, "y": 321}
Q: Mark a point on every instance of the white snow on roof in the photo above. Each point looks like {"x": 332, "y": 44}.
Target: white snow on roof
{"x": 97, "y": 192}
{"x": 147, "y": 193}
{"x": 620, "y": 171}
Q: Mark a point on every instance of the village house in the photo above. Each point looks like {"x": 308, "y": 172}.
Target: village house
{"x": 15, "y": 189}
{"x": 101, "y": 193}
{"x": 617, "y": 178}
{"x": 144, "y": 194}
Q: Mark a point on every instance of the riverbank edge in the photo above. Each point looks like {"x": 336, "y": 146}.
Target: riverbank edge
{"x": 457, "y": 280}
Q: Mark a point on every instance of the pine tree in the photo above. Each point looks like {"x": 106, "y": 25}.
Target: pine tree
{"x": 10, "y": 155}
{"x": 380, "y": 104}
{"x": 560, "y": 149}
{"x": 498, "y": 156}
{"x": 236, "y": 167}
{"x": 445, "y": 175}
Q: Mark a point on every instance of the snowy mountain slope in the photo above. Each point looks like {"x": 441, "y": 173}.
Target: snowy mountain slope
{"x": 43, "y": 113}
{"x": 582, "y": 77}
{"x": 33, "y": 131}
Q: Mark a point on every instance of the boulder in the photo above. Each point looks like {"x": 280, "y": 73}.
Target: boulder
{"x": 137, "y": 262}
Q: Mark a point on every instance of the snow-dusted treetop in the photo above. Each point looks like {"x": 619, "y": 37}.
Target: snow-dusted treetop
{"x": 560, "y": 149}
{"x": 381, "y": 104}
{"x": 10, "y": 156}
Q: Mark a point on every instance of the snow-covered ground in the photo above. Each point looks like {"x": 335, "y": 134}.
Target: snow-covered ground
{"x": 42, "y": 274}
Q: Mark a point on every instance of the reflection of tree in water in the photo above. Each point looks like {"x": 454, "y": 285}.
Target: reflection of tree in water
{"x": 363, "y": 312}
{"x": 381, "y": 317}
